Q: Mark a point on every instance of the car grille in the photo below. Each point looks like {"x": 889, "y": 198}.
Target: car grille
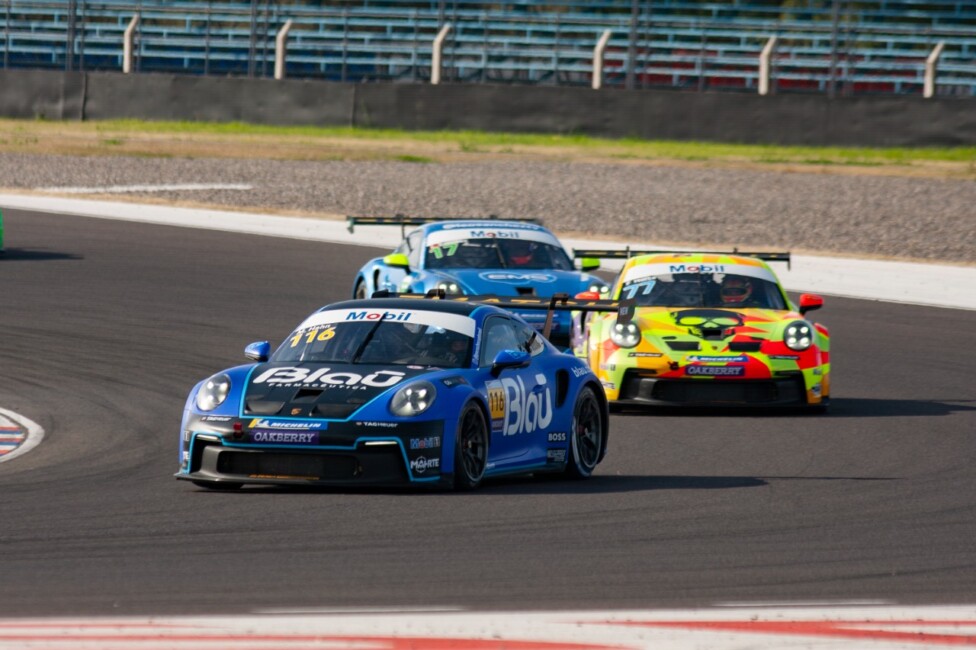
{"x": 284, "y": 464}
{"x": 683, "y": 346}
{"x": 745, "y": 346}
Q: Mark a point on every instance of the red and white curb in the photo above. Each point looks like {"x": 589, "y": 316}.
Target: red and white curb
{"x": 18, "y": 434}
{"x": 884, "y": 628}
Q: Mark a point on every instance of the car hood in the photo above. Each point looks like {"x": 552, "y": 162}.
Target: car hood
{"x": 320, "y": 390}
{"x": 513, "y": 282}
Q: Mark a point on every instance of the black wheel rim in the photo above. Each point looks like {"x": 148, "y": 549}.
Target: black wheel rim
{"x": 474, "y": 450}
{"x": 588, "y": 432}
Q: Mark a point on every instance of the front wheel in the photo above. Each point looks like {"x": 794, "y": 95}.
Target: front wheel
{"x": 360, "y": 291}
{"x": 588, "y": 436}
{"x": 471, "y": 450}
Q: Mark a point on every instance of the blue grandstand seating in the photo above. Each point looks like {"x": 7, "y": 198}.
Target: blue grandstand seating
{"x": 869, "y": 46}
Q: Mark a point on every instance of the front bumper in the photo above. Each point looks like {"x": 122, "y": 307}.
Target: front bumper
{"x": 346, "y": 455}
{"x": 663, "y": 391}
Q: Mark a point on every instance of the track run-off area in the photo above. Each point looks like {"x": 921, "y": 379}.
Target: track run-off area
{"x": 712, "y": 530}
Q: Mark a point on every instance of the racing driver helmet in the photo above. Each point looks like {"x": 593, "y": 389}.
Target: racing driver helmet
{"x": 736, "y": 290}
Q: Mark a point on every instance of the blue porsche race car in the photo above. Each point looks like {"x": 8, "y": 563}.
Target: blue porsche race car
{"x": 398, "y": 391}
{"x": 510, "y": 257}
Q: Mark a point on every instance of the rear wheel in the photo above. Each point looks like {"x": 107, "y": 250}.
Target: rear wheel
{"x": 587, "y": 437}
{"x": 471, "y": 450}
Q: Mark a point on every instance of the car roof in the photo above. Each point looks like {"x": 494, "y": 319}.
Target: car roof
{"x": 457, "y": 224}
{"x": 427, "y": 304}
{"x": 695, "y": 258}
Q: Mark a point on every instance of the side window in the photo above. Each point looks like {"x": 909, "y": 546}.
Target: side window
{"x": 529, "y": 339}
{"x": 415, "y": 252}
{"x": 498, "y": 334}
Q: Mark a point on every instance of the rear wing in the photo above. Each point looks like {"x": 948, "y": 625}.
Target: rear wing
{"x": 627, "y": 253}
{"x": 556, "y": 302}
{"x": 403, "y": 220}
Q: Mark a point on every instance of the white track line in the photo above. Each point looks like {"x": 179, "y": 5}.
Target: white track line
{"x": 879, "y": 628}
{"x": 905, "y": 282}
{"x": 122, "y": 189}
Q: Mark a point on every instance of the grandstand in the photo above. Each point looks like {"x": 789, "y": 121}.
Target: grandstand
{"x": 841, "y": 47}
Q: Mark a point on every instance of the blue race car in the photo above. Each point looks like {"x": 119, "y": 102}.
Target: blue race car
{"x": 398, "y": 391}
{"x": 511, "y": 257}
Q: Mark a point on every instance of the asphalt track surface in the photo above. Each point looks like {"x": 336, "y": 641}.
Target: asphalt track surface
{"x": 107, "y": 324}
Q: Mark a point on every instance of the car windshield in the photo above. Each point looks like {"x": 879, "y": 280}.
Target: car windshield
{"x": 723, "y": 290}
{"x": 386, "y": 341}
{"x": 491, "y": 253}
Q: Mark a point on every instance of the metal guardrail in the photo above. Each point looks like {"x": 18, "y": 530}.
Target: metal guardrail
{"x": 826, "y": 46}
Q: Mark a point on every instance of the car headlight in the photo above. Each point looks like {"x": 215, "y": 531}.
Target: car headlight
{"x": 413, "y": 399}
{"x": 599, "y": 288}
{"x": 213, "y": 392}
{"x": 798, "y": 335}
{"x": 626, "y": 335}
{"x": 449, "y": 287}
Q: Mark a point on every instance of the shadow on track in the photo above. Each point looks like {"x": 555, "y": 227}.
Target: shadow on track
{"x": 34, "y": 255}
{"x": 528, "y": 484}
{"x": 840, "y": 407}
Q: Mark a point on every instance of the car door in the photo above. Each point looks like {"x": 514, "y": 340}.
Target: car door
{"x": 520, "y": 399}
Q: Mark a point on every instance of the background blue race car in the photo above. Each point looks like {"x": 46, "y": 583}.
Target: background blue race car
{"x": 396, "y": 391}
{"x": 493, "y": 256}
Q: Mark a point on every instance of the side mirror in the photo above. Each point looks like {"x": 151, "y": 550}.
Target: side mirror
{"x": 258, "y": 351}
{"x": 509, "y": 359}
{"x": 809, "y": 302}
{"x": 589, "y": 263}
{"x": 397, "y": 260}
{"x": 588, "y": 295}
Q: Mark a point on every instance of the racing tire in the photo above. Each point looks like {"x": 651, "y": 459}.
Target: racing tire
{"x": 588, "y": 436}
{"x": 359, "y": 292}
{"x": 471, "y": 448}
{"x": 223, "y": 486}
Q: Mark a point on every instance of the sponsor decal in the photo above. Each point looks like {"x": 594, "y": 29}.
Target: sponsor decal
{"x": 296, "y": 411}
{"x": 609, "y": 384}
{"x": 816, "y": 389}
{"x": 785, "y": 357}
{"x": 527, "y": 410}
{"x": 264, "y": 423}
{"x": 379, "y": 315}
{"x": 496, "y": 276}
{"x": 323, "y": 378}
{"x": 216, "y": 418}
{"x": 715, "y": 371}
{"x": 579, "y": 371}
{"x": 430, "y": 442}
{"x": 494, "y": 234}
{"x": 701, "y": 358}
{"x": 696, "y": 268}
{"x": 496, "y": 401}
{"x": 422, "y": 464}
{"x": 557, "y": 436}
{"x": 817, "y": 371}
{"x": 608, "y": 366}
{"x": 555, "y": 455}
{"x": 286, "y": 437}
{"x": 384, "y": 425}
{"x": 643, "y": 355}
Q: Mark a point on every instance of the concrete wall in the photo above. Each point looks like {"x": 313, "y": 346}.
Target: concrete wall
{"x": 670, "y": 115}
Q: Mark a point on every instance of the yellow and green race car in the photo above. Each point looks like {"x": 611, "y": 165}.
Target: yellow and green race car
{"x": 708, "y": 329}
